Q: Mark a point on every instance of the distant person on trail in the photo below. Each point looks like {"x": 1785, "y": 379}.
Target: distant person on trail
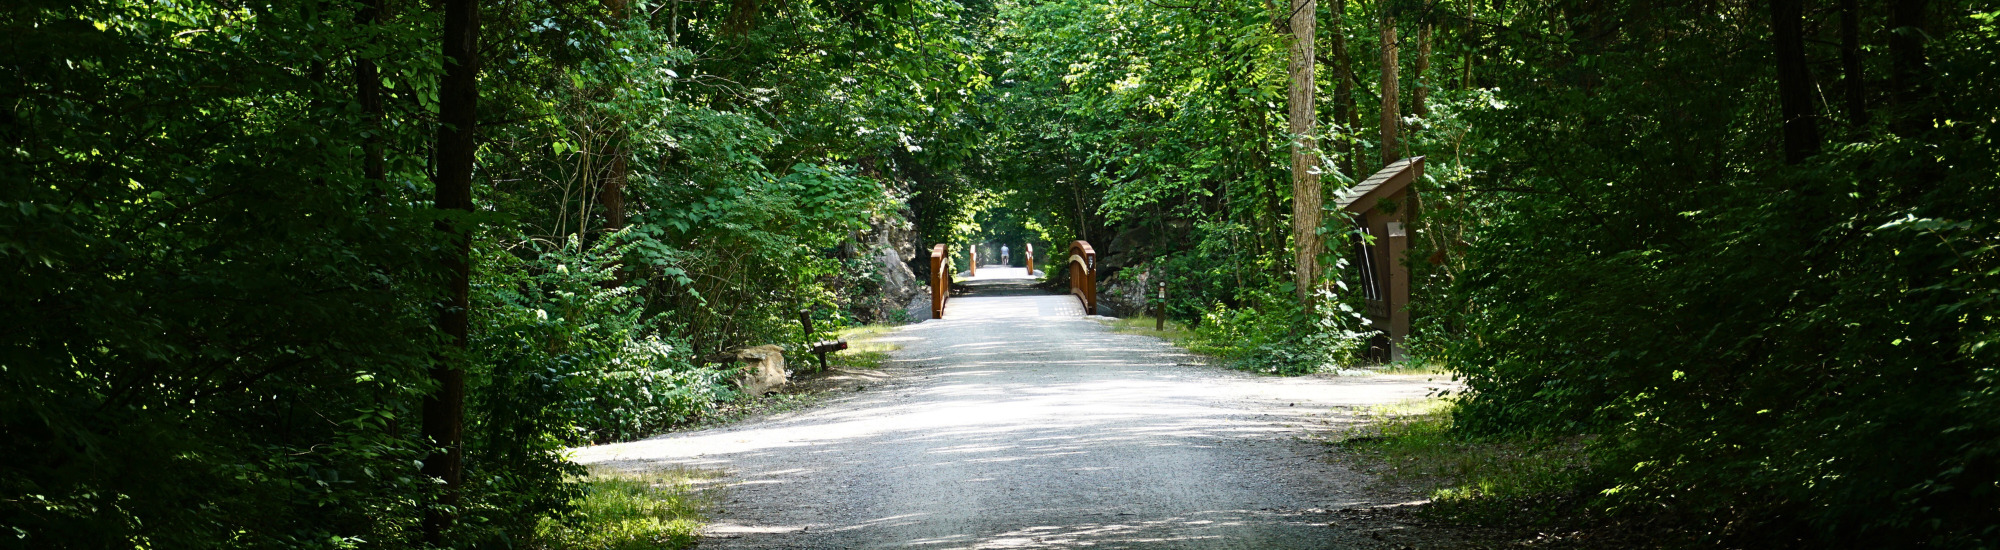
{"x": 1004, "y": 258}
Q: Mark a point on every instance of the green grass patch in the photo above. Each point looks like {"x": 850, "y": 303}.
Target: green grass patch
{"x": 1175, "y": 333}
{"x": 1409, "y": 367}
{"x": 659, "y": 510}
{"x": 1480, "y": 479}
{"x": 868, "y": 346}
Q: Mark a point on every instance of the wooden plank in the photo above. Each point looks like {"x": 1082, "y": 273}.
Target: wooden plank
{"x": 1393, "y": 178}
{"x": 940, "y": 280}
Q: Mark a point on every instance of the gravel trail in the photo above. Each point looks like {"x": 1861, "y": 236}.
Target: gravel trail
{"x": 1015, "y": 422}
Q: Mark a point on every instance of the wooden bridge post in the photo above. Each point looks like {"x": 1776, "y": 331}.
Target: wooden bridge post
{"x": 940, "y": 280}
{"x": 1083, "y": 275}
{"x": 972, "y": 263}
{"x": 1031, "y": 259}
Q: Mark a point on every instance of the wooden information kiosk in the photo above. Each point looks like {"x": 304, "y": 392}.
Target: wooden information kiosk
{"x": 1381, "y": 205}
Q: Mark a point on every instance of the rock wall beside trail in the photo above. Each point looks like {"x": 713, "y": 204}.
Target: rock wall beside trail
{"x": 1124, "y": 293}
{"x": 889, "y": 246}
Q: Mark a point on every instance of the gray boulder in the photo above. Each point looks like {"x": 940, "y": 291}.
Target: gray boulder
{"x": 1124, "y": 294}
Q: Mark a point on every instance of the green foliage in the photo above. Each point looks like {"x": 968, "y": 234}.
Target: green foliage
{"x": 574, "y": 358}
{"x": 226, "y": 313}
{"x": 227, "y": 271}
{"x": 215, "y": 334}
{"x": 1274, "y": 335}
{"x": 1163, "y": 125}
{"x": 1767, "y": 350}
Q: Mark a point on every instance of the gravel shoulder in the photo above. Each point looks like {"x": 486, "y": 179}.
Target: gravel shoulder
{"x": 1015, "y": 422}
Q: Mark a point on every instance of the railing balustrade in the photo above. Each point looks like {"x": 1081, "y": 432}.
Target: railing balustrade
{"x": 1083, "y": 275}
{"x": 940, "y": 280}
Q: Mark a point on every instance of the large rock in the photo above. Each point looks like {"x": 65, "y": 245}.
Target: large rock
{"x": 763, "y": 369}
{"x": 898, "y": 282}
{"x": 919, "y": 308}
{"x": 890, "y": 245}
{"x": 1124, "y": 295}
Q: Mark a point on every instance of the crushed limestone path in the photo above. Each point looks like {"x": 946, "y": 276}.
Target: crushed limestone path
{"x": 1016, "y": 422}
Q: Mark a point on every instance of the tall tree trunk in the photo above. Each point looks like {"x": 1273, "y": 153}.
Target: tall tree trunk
{"x": 1854, "y": 87}
{"x": 1344, "y": 113}
{"x": 1795, "y": 100}
{"x": 1392, "y": 117}
{"x": 368, "y": 92}
{"x": 1911, "y": 69}
{"x": 1305, "y": 153}
{"x": 444, "y": 408}
{"x": 1420, "y": 93}
{"x": 611, "y": 193}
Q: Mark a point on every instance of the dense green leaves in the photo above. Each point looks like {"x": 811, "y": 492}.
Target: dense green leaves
{"x": 223, "y": 318}
{"x": 1609, "y": 240}
{"x": 1646, "y": 267}
{"x": 223, "y": 308}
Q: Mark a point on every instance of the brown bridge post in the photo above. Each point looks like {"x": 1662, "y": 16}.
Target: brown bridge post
{"x": 1031, "y": 259}
{"x": 940, "y": 280}
{"x": 1083, "y": 275}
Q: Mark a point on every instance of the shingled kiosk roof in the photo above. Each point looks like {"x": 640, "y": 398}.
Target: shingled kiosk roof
{"x": 1394, "y": 177}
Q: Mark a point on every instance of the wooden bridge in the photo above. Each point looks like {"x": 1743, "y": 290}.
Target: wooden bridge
{"x": 1081, "y": 266}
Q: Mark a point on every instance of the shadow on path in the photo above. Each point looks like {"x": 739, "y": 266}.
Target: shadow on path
{"x": 1017, "y": 423}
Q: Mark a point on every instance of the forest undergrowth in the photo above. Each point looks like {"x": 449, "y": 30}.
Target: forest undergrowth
{"x": 351, "y": 274}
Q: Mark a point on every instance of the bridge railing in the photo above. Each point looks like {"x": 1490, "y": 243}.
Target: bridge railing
{"x": 1083, "y": 275}
{"x": 1031, "y": 259}
{"x": 940, "y": 280}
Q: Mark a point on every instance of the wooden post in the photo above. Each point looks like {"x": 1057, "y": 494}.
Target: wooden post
{"x": 1398, "y": 296}
{"x": 1083, "y": 275}
{"x": 972, "y": 262}
{"x": 1031, "y": 259}
{"x": 1160, "y": 311}
{"x": 940, "y": 280}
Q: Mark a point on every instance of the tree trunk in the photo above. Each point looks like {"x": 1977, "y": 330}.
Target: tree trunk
{"x": 444, "y": 408}
{"x": 1420, "y": 93}
{"x": 1911, "y": 68}
{"x": 1854, "y": 87}
{"x": 611, "y": 192}
{"x": 1305, "y": 154}
{"x": 612, "y": 195}
{"x": 1344, "y": 114}
{"x": 1801, "y": 127}
{"x": 368, "y": 92}
{"x": 1392, "y": 147}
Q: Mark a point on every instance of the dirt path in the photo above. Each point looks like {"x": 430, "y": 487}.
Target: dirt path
{"x": 1017, "y": 423}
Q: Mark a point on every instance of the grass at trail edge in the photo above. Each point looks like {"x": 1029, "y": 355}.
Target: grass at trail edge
{"x": 657, "y": 510}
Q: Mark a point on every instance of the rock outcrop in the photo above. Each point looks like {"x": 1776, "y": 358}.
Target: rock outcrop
{"x": 763, "y": 369}
{"x": 890, "y": 246}
{"x": 1124, "y": 294}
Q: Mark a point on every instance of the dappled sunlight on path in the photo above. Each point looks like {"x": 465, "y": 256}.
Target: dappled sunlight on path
{"x": 1017, "y": 423}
